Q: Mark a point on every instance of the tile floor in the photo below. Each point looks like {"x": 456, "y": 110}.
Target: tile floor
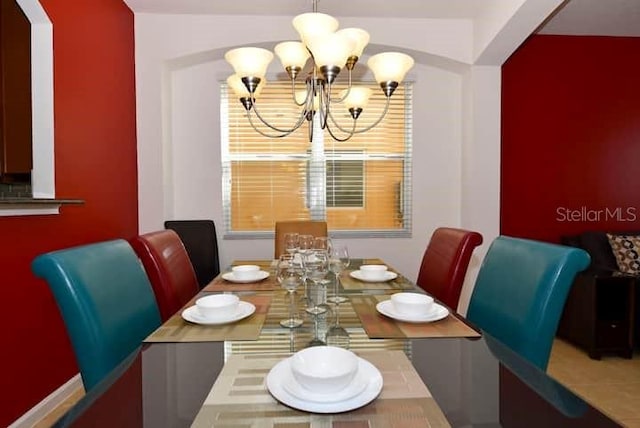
{"x": 611, "y": 384}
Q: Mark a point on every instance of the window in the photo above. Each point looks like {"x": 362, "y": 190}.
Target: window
{"x": 344, "y": 180}
{"x": 360, "y": 186}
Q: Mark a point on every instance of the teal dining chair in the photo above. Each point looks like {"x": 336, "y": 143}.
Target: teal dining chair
{"x": 106, "y": 302}
{"x": 520, "y": 293}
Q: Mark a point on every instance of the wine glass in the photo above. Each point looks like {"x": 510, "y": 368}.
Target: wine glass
{"x": 338, "y": 261}
{"x": 289, "y": 275}
{"x": 337, "y": 335}
{"x": 291, "y": 242}
{"x": 305, "y": 243}
{"x": 322, "y": 243}
{"x": 316, "y": 267}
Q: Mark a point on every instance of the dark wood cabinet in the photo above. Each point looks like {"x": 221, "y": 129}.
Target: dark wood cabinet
{"x": 15, "y": 93}
{"x": 599, "y": 314}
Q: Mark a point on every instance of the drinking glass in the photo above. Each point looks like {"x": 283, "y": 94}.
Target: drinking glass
{"x": 338, "y": 261}
{"x": 305, "y": 243}
{"x": 316, "y": 267}
{"x": 289, "y": 275}
{"x": 291, "y": 242}
{"x": 322, "y": 243}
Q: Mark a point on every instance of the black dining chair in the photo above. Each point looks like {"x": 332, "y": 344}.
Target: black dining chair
{"x": 200, "y": 240}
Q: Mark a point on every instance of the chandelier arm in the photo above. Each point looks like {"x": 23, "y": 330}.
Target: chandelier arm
{"x": 297, "y": 125}
{"x": 348, "y": 91}
{"x": 293, "y": 94}
{"x": 325, "y": 102}
{"x": 359, "y": 131}
{"x": 264, "y": 134}
{"x": 382, "y": 116}
{"x": 341, "y": 140}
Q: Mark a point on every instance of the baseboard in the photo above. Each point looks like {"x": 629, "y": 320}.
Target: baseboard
{"x": 48, "y": 404}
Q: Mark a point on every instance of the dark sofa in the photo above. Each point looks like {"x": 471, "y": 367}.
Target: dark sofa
{"x": 601, "y": 311}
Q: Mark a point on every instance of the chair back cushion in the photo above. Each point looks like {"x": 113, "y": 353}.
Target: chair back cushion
{"x": 445, "y": 262}
{"x": 168, "y": 266}
{"x": 520, "y": 293}
{"x": 303, "y": 227}
{"x": 201, "y": 242}
{"x": 106, "y": 302}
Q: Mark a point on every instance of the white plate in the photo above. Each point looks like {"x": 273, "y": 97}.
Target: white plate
{"x": 245, "y": 309}
{"x": 437, "y": 313}
{"x": 280, "y": 375}
{"x": 357, "y": 385}
{"x": 260, "y": 275}
{"x": 388, "y": 276}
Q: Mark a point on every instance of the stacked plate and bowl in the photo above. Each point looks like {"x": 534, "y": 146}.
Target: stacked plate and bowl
{"x": 412, "y": 307}
{"x": 324, "y": 379}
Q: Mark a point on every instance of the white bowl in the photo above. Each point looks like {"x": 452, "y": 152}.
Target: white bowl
{"x": 412, "y": 303}
{"x": 218, "y": 306}
{"x": 372, "y": 272}
{"x": 324, "y": 369}
{"x": 243, "y": 272}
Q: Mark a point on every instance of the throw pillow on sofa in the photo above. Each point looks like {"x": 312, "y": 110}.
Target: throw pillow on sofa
{"x": 626, "y": 249}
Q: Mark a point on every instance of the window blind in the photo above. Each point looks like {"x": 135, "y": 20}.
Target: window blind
{"x": 361, "y": 187}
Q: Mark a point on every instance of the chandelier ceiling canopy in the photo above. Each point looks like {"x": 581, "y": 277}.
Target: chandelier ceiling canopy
{"x": 330, "y": 51}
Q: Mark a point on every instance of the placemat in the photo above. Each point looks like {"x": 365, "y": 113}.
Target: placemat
{"x": 240, "y": 397}
{"x": 176, "y": 329}
{"x": 267, "y": 284}
{"x": 379, "y": 326}
{"x": 352, "y": 284}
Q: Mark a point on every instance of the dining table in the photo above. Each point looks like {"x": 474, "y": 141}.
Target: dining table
{"x": 443, "y": 372}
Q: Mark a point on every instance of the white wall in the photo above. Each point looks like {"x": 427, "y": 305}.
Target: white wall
{"x": 456, "y": 128}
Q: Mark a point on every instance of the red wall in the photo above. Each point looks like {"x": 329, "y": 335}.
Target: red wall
{"x": 571, "y": 137}
{"x": 95, "y": 150}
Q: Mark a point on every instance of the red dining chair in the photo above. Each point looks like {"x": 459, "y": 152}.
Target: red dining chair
{"x": 167, "y": 263}
{"x": 445, "y": 262}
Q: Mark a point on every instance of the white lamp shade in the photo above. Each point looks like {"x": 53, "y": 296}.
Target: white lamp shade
{"x": 235, "y": 83}
{"x": 292, "y": 54}
{"x": 313, "y": 24}
{"x": 390, "y": 66}
{"x": 249, "y": 62}
{"x": 331, "y": 50}
{"x": 359, "y": 37}
{"x": 358, "y": 97}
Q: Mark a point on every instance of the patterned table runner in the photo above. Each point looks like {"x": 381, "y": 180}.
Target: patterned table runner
{"x": 240, "y": 398}
{"x": 379, "y": 326}
{"x": 279, "y": 310}
{"x": 176, "y": 329}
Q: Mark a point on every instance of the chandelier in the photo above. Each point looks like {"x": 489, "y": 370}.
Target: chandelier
{"x": 330, "y": 50}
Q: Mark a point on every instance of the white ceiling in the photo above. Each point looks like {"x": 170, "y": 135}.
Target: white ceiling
{"x": 596, "y": 17}
{"x": 574, "y": 17}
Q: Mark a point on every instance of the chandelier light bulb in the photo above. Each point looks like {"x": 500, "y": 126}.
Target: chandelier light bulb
{"x": 390, "y": 66}
{"x": 235, "y": 83}
{"x": 314, "y": 24}
{"x": 293, "y": 56}
{"x": 358, "y": 97}
{"x": 249, "y": 62}
{"x": 331, "y": 50}
{"x": 359, "y": 37}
